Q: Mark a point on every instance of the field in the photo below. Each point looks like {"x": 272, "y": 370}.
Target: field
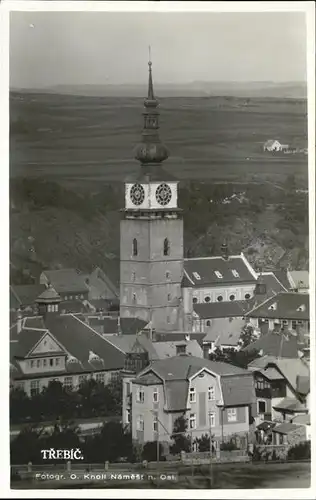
{"x": 208, "y": 138}
{"x": 69, "y": 156}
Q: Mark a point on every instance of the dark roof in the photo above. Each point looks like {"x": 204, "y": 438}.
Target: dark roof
{"x": 178, "y": 336}
{"x": 205, "y": 267}
{"x": 48, "y": 295}
{"x": 286, "y": 428}
{"x": 24, "y": 295}
{"x": 284, "y": 305}
{"x": 238, "y": 390}
{"x": 266, "y": 425}
{"x": 282, "y": 277}
{"x": 291, "y": 405}
{"x": 224, "y": 331}
{"x": 129, "y": 326}
{"x": 180, "y": 367}
{"x": 66, "y": 280}
{"x": 273, "y": 286}
{"x": 211, "y": 310}
{"x": 176, "y": 372}
{"x": 303, "y": 384}
{"x": 78, "y": 339}
{"x": 73, "y": 306}
{"x": 271, "y": 373}
{"x": 270, "y": 344}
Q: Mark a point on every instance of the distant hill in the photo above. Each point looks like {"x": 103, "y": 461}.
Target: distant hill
{"x": 294, "y": 90}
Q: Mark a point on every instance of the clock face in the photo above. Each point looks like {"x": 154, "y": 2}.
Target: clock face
{"x": 137, "y": 194}
{"x": 163, "y": 194}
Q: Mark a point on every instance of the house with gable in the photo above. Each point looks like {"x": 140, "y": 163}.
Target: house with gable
{"x": 56, "y": 346}
{"x": 212, "y": 396}
{"x": 278, "y": 382}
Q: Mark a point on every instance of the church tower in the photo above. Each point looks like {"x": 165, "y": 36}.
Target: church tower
{"x": 151, "y": 261}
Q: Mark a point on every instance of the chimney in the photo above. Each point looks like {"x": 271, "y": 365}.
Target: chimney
{"x": 224, "y": 250}
{"x": 19, "y": 321}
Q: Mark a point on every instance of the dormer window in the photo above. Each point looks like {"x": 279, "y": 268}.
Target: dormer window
{"x": 273, "y": 307}
{"x": 72, "y": 359}
{"x": 93, "y": 356}
{"x": 196, "y": 276}
{"x": 301, "y": 308}
{"x": 235, "y": 273}
{"x": 218, "y": 274}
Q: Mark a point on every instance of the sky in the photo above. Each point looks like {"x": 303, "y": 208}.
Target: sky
{"x": 51, "y": 48}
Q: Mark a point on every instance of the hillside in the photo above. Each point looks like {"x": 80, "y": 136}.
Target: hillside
{"x": 58, "y": 225}
{"x": 69, "y": 156}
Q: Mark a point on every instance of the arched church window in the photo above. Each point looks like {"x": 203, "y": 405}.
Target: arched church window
{"x": 166, "y": 247}
{"x": 135, "y": 247}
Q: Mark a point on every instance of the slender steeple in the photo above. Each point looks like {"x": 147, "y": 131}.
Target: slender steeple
{"x": 151, "y": 150}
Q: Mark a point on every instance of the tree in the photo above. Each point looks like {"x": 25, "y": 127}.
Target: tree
{"x": 204, "y": 443}
{"x": 182, "y": 442}
{"x": 247, "y": 336}
{"x": 111, "y": 444}
{"x": 26, "y": 446}
{"x": 19, "y": 405}
{"x": 149, "y": 452}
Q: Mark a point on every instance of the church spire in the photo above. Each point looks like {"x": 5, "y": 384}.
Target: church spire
{"x": 151, "y": 150}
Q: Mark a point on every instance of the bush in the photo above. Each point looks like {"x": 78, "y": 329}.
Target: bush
{"x": 149, "y": 452}
{"x": 229, "y": 446}
{"x": 300, "y": 451}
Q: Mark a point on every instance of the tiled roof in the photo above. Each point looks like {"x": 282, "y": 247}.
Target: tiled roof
{"x": 178, "y": 367}
{"x": 286, "y": 428}
{"x": 73, "y": 306}
{"x": 291, "y": 405}
{"x": 290, "y": 368}
{"x": 169, "y": 349}
{"x": 282, "y": 277}
{"x": 211, "y": 310}
{"x": 224, "y": 331}
{"x": 78, "y": 339}
{"x": 178, "y": 337}
{"x": 49, "y": 294}
{"x": 66, "y": 280}
{"x": 23, "y": 295}
{"x": 75, "y": 338}
{"x": 298, "y": 279}
{"x": 303, "y": 384}
{"x": 237, "y": 384}
{"x": 129, "y": 326}
{"x": 238, "y": 390}
{"x": 213, "y": 271}
{"x": 271, "y": 373}
{"x": 285, "y": 305}
{"x": 273, "y": 285}
{"x": 275, "y": 343}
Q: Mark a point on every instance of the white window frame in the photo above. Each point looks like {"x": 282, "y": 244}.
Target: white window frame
{"x": 82, "y": 379}
{"x": 155, "y": 395}
{"x": 212, "y": 419}
{"x": 57, "y": 361}
{"x": 68, "y": 379}
{"x": 192, "y": 421}
{"x": 100, "y": 377}
{"x": 192, "y": 395}
{"x": 140, "y": 424}
{"x": 140, "y": 391}
{"x": 231, "y": 414}
{"x": 35, "y": 386}
{"x": 211, "y": 393}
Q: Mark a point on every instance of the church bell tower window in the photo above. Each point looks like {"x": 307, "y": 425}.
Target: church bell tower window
{"x": 135, "y": 247}
{"x": 166, "y": 247}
